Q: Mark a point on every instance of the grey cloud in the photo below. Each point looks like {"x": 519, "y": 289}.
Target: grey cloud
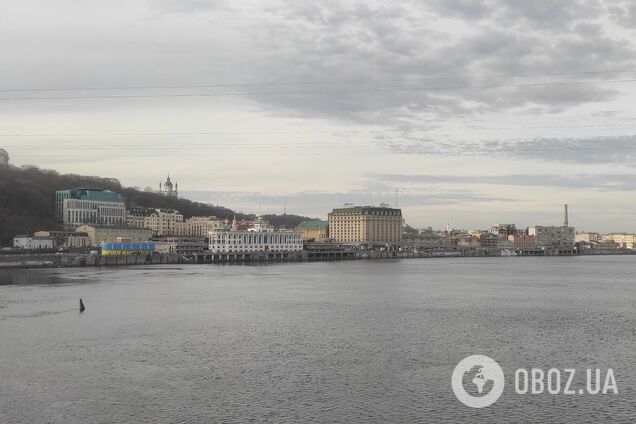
{"x": 320, "y": 203}
{"x": 581, "y": 150}
{"x": 546, "y": 13}
{"x": 623, "y": 12}
{"x": 294, "y": 42}
{"x": 602, "y": 182}
{"x": 189, "y": 6}
{"x": 382, "y": 43}
{"x": 465, "y": 9}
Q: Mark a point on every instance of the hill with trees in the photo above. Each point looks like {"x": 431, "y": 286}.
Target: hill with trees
{"x": 27, "y": 201}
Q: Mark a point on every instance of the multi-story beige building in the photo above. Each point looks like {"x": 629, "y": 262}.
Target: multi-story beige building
{"x": 503, "y": 230}
{"x": 366, "y": 225}
{"x": 587, "y": 237}
{"x": 65, "y": 239}
{"x": 200, "y": 226}
{"x": 624, "y": 241}
{"x": 168, "y": 222}
{"x": 98, "y": 234}
{"x": 316, "y": 231}
{"x": 162, "y": 222}
{"x": 467, "y": 240}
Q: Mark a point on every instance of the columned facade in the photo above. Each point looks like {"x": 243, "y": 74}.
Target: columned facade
{"x": 230, "y": 241}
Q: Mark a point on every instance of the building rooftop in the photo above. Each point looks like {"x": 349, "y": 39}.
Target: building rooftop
{"x": 364, "y": 209}
{"x": 84, "y": 193}
{"x": 313, "y": 225}
{"x": 111, "y": 227}
{"x": 64, "y": 233}
{"x": 141, "y": 211}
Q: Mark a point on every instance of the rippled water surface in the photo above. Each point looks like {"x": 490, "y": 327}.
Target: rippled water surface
{"x": 341, "y": 342}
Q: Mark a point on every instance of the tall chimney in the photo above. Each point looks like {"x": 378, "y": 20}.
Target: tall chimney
{"x": 565, "y": 223}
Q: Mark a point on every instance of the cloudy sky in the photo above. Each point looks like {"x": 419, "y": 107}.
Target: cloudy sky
{"x": 477, "y": 112}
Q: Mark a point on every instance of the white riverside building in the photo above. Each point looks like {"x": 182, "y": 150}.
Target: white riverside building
{"x": 254, "y": 240}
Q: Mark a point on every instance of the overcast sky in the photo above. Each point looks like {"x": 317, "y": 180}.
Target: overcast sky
{"x": 477, "y": 112}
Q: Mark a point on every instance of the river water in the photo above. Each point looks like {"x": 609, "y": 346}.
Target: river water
{"x": 341, "y": 342}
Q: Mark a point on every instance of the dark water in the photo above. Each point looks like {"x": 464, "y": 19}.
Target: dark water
{"x": 323, "y": 342}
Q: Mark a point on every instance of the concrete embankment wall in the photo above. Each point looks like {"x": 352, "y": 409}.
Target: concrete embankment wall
{"x": 116, "y": 260}
{"x": 55, "y": 260}
{"x": 42, "y": 260}
{"x": 51, "y": 260}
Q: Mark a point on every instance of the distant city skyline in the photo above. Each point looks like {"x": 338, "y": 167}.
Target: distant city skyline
{"x": 478, "y": 112}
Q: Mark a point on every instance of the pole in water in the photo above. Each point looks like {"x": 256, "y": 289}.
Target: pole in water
{"x": 82, "y": 308}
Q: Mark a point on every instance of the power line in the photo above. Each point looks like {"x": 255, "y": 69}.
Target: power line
{"x": 336, "y": 145}
{"x": 333, "y": 132}
{"x": 326, "y": 153}
{"x": 272, "y": 84}
{"x": 513, "y": 145}
{"x": 334, "y": 91}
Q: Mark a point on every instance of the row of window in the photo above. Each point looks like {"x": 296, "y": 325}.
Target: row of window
{"x": 250, "y": 239}
{"x": 368, "y": 212}
{"x": 249, "y": 249}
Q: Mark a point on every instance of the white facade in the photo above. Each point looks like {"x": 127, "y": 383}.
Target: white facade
{"x": 587, "y": 237}
{"x": 624, "y": 241}
{"x": 233, "y": 241}
{"x": 32, "y": 243}
{"x": 78, "y": 211}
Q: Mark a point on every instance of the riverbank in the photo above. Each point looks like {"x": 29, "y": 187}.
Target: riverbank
{"x": 70, "y": 260}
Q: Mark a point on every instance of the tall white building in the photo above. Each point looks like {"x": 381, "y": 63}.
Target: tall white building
{"x": 89, "y": 206}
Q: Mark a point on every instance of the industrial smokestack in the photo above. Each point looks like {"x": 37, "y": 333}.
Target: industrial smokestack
{"x": 565, "y": 223}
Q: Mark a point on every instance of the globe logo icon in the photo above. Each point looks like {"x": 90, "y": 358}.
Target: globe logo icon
{"x": 478, "y": 381}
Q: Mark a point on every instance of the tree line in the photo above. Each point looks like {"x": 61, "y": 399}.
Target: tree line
{"x": 27, "y": 201}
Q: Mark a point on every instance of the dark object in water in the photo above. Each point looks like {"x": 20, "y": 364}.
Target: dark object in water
{"x": 82, "y": 308}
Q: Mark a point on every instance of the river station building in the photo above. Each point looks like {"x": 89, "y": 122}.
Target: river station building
{"x": 260, "y": 238}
